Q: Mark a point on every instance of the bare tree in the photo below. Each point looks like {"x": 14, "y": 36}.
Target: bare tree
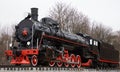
{"x": 69, "y": 18}
{"x": 116, "y": 39}
{"x": 5, "y": 39}
{"x": 101, "y": 32}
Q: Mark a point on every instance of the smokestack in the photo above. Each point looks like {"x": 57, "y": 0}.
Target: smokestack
{"x": 34, "y": 14}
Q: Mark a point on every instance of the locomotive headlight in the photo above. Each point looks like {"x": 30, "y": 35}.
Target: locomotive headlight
{"x": 10, "y": 44}
{"x": 28, "y": 43}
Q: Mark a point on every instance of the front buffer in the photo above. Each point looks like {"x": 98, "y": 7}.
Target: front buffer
{"x": 27, "y": 56}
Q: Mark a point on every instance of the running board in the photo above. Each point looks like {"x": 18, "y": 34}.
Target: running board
{"x": 87, "y": 64}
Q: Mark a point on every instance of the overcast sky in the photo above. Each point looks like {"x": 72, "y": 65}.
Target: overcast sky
{"x": 106, "y": 12}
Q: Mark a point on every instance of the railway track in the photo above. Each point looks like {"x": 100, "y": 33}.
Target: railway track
{"x": 51, "y": 69}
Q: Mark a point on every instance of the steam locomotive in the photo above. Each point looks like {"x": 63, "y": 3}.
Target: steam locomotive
{"x": 44, "y": 43}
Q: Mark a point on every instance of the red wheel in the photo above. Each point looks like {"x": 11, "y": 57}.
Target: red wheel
{"x": 72, "y": 60}
{"x": 59, "y": 64}
{"x": 78, "y": 60}
{"x": 51, "y": 63}
{"x": 66, "y": 64}
{"x": 34, "y": 60}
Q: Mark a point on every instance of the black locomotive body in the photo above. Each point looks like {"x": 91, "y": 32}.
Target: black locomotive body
{"x": 43, "y": 42}
{"x": 103, "y": 53}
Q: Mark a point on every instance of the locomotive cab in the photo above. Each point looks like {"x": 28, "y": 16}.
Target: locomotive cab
{"x": 94, "y": 45}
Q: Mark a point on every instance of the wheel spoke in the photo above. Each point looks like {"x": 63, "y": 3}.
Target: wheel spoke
{"x": 34, "y": 60}
{"x": 66, "y": 64}
{"x": 78, "y": 60}
{"x": 59, "y": 64}
{"x": 51, "y": 63}
{"x": 72, "y": 60}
